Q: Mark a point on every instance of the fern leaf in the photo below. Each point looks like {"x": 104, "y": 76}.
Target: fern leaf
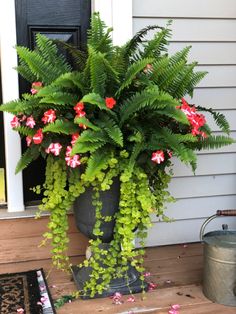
{"x": 10, "y": 106}
{"x": 61, "y": 127}
{"x": 87, "y": 123}
{"x": 221, "y": 121}
{"x": 29, "y": 155}
{"x": 95, "y": 99}
{"x": 132, "y": 71}
{"x": 24, "y": 70}
{"x": 85, "y": 147}
{"x": 216, "y": 141}
{"x": 97, "y": 71}
{"x": 24, "y": 130}
{"x": 92, "y": 136}
{"x": 112, "y": 129}
{"x": 60, "y": 98}
{"x": 97, "y": 161}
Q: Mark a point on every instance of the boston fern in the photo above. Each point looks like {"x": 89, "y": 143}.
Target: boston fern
{"x": 119, "y": 112}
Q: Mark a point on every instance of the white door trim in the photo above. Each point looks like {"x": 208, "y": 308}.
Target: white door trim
{"x": 10, "y": 91}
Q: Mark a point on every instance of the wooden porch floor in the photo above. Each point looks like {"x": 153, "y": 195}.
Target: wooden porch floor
{"x": 176, "y": 269}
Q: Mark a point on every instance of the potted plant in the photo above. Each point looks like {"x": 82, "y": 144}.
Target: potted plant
{"x": 110, "y": 124}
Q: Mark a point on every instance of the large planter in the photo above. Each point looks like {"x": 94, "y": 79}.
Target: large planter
{"x": 84, "y": 213}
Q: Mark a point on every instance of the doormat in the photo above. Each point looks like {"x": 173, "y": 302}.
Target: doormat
{"x": 25, "y": 293}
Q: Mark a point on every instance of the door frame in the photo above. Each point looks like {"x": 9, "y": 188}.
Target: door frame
{"x": 115, "y": 13}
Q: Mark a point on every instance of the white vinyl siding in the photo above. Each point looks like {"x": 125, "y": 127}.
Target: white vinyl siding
{"x": 209, "y": 26}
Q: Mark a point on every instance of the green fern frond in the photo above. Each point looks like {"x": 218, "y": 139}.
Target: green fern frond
{"x": 87, "y": 123}
{"x": 134, "y": 42}
{"x": 29, "y": 155}
{"x": 95, "y": 99}
{"x": 171, "y": 74}
{"x": 92, "y": 136}
{"x": 60, "y": 98}
{"x": 11, "y": 106}
{"x": 215, "y": 141}
{"x": 99, "y": 35}
{"x": 42, "y": 69}
{"x": 24, "y": 70}
{"x": 25, "y": 131}
{"x": 112, "y": 129}
{"x": 85, "y": 147}
{"x": 61, "y": 127}
{"x": 180, "y": 55}
{"x": 97, "y": 161}
{"x": 196, "y": 78}
{"x": 152, "y": 98}
{"x": 157, "y": 45}
{"x": 98, "y": 75}
{"x": 132, "y": 71}
{"x": 48, "y": 50}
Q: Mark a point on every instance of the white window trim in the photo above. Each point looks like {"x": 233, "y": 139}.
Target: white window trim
{"x": 115, "y": 13}
{"x": 10, "y": 91}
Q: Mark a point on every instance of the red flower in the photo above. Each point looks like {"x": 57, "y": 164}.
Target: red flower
{"x": 110, "y": 102}
{"x": 79, "y": 107}
{"x": 35, "y": 84}
{"x": 30, "y": 122}
{"x": 49, "y": 116}
{"x": 80, "y": 114}
{"x": 15, "y": 122}
{"x": 38, "y": 137}
{"x": 158, "y": 156}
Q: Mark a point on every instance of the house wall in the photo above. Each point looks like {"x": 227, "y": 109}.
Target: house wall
{"x": 209, "y": 26}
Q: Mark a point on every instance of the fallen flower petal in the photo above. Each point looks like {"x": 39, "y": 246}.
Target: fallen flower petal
{"x": 39, "y": 303}
{"x": 43, "y": 299}
{"x": 175, "y": 306}
{"x": 168, "y": 281}
{"x": 173, "y": 311}
{"x": 147, "y": 274}
{"x": 152, "y": 286}
{"x": 20, "y": 310}
{"x": 131, "y": 299}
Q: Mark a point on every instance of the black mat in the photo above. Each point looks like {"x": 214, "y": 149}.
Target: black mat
{"x": 25, "y": 293}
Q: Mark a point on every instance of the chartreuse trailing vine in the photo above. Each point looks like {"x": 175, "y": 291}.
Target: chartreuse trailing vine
{"x": 119, "y": 112}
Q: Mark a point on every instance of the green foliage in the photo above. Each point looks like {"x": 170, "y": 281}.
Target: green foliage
{"x": 28, "y": 156}
{"x": 59, "y": 126}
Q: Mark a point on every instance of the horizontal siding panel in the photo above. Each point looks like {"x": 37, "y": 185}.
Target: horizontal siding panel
{"x": 201, "y": 207}
{"x": 182, "y": 231}
{"x": 218, "y": 76}
{"x": 192, "y": 29}
{"x": 185, "y": 8}
{"x": 208, "y": 53}
{"x": 217, "y": 98}
{"x": 200, "y": 186}
{"x": 207, "y": 165}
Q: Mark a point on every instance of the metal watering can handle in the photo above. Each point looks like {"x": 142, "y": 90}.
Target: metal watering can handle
{"x": 219, "y": 213}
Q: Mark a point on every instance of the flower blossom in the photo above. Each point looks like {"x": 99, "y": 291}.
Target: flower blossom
{"x": 28, "y": 140}
{"x": 158, "y": 156}
{"x": 131, "y": 299}
{"x": 38, "y": 137}
{"x": 30, "y": 122}
{"x": 110, "y": 102}
{"x": 75, "y": 136}
{"x": 72, "y": 161}
{"x": 79, "y": 107}
{"x": 116, "y": 297}
{"x": 195, "y": 119}
{"x": 15, "y": 122}
{"x": 49, "y": 116}
{"x": 54, "y": 148}
{"x": 35, "y": 84}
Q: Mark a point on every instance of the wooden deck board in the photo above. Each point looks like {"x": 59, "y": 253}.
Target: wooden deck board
{"x": 177, "y": 269}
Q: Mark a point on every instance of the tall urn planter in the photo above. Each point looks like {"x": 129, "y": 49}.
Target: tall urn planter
{"x": 85, "y": 218}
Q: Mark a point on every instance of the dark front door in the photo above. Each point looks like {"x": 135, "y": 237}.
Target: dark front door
{"x": 67, "y": 20}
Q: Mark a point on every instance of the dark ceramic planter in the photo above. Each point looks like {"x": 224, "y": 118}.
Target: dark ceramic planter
{"x": 85, "y": 218}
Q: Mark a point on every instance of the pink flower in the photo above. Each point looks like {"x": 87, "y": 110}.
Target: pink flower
{"x": 75, "y": 136}
{"x": 170, "y": 154}
{"x": 171, "y": 311}
{"x": 116, "y": 297}
{"x": 49, "y": 116}
{"x": 15, "y": 123}
{"x": 72, "y": 161}
{"x": 152, "y": 286}
{"x": 35, "y": 84}
{"x": 54, "y": 148}
{"x": 131, "y": 299}
{"x": 175, "y": 307}
{"x": 80, "y": 114}
{"x": 38, "y": 137}
{"x": 147, "y": 274}
{"x": 79, "y": 107}
{"x": 28, "y": 140}
{"x": 110, "y": 102}
{"x": 20, "y": 310}
{"x": 30, "y": 122}
{"x": 158, "y": 156}
{"x": 43, "y": 299}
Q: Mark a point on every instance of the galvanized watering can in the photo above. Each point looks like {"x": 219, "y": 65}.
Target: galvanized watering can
{"x": 219, "y": 274}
